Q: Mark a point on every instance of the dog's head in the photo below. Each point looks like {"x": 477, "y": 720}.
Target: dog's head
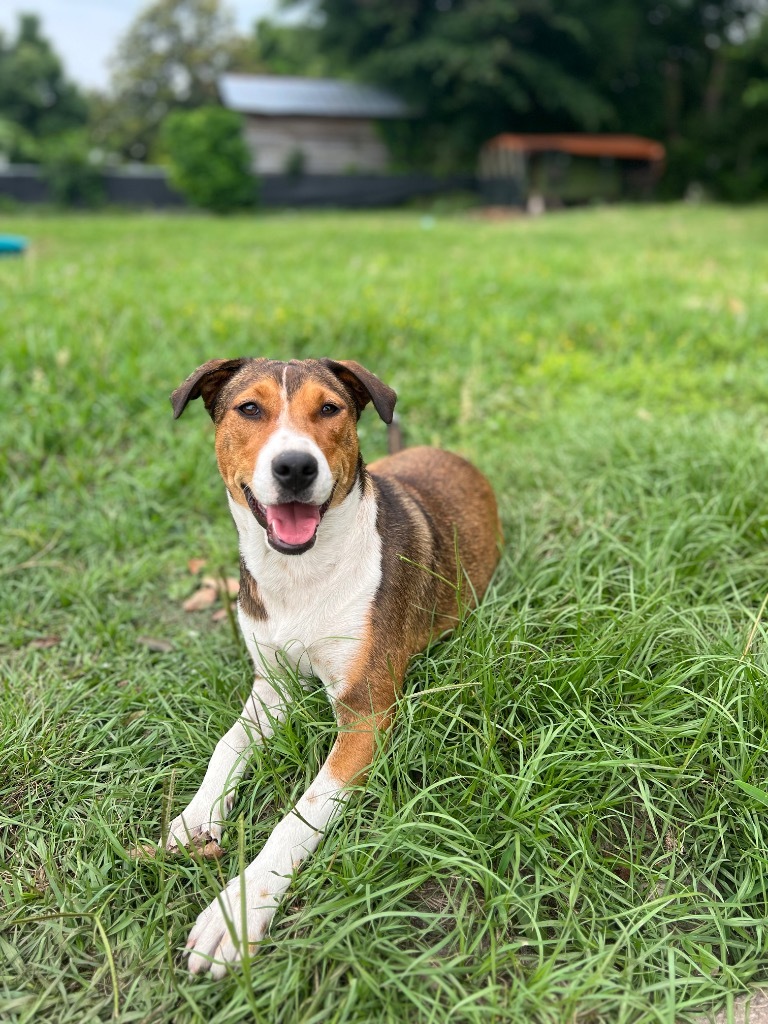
{"x": 286, "y": 436}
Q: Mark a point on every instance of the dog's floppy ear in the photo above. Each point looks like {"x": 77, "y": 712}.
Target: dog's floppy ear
{"x": 365, "y": 387}
{"x": 207, "y": 380}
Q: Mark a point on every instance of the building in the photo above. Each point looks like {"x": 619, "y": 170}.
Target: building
{"x": 557, "y": 170}
{"x": 311, "y": 125}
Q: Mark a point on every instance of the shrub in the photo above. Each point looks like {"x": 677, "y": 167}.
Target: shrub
{"x": 17, "y": 145}
{"x": 296, "y": 163}
{"x": 73, "y": 177}
{"x": 209, "y": 160}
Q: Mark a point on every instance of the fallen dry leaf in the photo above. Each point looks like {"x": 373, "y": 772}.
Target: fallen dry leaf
{"x": 41, "y": 879}
{"x": 210, "y": 589}
{"x": 201, "y": 599}
{"x": 155, "y": 644}
{"x": 211, "y": 851}
{"x": 195, "y": 565}
{"x": 219, "y": 615}
{"x": 145, "y": 850}
{"x": 203, "y": 846}
{"x": 42, "y": 643}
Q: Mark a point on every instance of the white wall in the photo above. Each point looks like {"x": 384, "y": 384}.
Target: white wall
{"x": 329, "y": 145}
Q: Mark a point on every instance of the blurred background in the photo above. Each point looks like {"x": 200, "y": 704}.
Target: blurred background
{"x": 302, "y": 90}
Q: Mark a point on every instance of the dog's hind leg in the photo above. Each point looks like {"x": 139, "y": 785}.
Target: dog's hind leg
{"x": 202, "y": 820}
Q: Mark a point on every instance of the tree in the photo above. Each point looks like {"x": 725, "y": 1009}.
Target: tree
{"x": 210, "y": 162}
{"x": 35, "y": 97}
{"x": 690, "y": 74}
{"x": 472, "y": 68}
{"x": 282, "y": 50}
{"x": 170, "y": 58}
{"x": 739, "y": 170}
{"x": 679, "y": 71}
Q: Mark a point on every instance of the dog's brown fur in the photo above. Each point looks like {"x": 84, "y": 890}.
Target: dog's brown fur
{"x": 438, "y": 534}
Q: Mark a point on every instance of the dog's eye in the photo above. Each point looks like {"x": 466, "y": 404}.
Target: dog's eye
{"x": 249, "y": 409}
{"x": 329, "y": 409}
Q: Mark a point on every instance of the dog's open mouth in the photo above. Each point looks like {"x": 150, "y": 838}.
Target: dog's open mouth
{"x": 292, "y": 526}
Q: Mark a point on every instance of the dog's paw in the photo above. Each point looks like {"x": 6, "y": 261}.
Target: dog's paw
{"x": 228, "y": 930}
{"x": 194, "y": 830}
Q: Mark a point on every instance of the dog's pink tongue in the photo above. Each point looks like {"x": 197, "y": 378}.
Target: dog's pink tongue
{"x": 294, "y": 522}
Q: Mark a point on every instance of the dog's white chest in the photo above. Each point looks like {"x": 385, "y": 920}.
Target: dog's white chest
{"x": 318, "y": 640}
{"x": 318, "y": 604}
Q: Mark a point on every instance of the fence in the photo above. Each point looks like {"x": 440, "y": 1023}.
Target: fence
{"x": 148, "y": 187}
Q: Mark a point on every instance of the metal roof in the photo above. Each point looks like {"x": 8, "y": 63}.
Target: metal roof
{"x": 275, "y": 95}
{"x": 622, "y": 147}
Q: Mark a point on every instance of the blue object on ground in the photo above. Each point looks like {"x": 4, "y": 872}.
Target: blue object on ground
{"x": 12, "y": 245}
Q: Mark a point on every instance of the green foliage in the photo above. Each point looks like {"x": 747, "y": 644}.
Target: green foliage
{"x": 16, "y": 144}
{"x": 209, "y": 160}
{"x": 470, "y": 69}
{"x": 686, "y": 73}
{"x": 568, "y": 822}
{"x": 295, "y": 163}
{"x": 693, "y": 75}
{"x": 681, "y": 72}
{"x": 36, "y": 100}
{"x": 169, "y": 59}
{"x": 72, "y": 176}
{"x": 282, "y": 50}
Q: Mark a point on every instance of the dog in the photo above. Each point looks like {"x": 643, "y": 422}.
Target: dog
{"x": 345, "y": 573}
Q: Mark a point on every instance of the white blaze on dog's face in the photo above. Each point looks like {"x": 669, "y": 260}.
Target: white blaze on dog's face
{"x": 297, "y": 430}
{"x": 286, "y": 437}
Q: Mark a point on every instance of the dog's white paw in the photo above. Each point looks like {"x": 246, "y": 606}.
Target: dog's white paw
{"x": 227, "y": 931}
{"x": 193, "y": 828}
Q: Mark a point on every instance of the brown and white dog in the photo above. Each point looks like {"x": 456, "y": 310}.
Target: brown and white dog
{"x": 345, "y": 572}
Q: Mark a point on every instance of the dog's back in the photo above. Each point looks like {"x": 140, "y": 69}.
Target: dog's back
{"x": 435, "y": 506}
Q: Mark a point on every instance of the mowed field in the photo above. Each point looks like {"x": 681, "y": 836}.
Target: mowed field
{"x": 570, "y": 820}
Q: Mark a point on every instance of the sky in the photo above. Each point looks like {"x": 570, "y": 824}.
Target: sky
{"x": 84, "y": 33}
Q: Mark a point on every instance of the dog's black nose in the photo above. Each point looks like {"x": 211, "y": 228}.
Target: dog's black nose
{"x": 294, "y": 471}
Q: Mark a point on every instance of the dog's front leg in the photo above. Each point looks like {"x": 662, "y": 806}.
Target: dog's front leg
{"x": 228, "y": 929}
{"x": 205, "y": 814}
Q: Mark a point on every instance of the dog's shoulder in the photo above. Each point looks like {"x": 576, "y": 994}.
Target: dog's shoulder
{"x": 449, "y": 491}
{"x": 433, "y": 504}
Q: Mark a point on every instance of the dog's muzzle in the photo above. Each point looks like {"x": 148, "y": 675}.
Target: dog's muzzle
{"x": 291, "y": 526}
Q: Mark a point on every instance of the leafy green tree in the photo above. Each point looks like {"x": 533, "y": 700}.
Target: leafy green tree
{"x": 690, "y": 74}
{"x": 282, "y": 50}
{"x": 16, "y": 144}
{"x": 739, "y": 137}
{"x": 679, "y": 71}
{"x": 209, "y": 160}
{"x": 35, "y": 96}
{"x": 472, "y": 68}
{"x": 169, "y": 59}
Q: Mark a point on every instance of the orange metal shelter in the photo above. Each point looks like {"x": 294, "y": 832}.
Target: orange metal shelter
{"x": 620, "y": 147}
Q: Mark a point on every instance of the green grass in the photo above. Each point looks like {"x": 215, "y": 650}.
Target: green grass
{"x": 569, "y": 821}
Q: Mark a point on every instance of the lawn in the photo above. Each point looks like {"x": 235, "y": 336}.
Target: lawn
{"x": 570, "y": 821}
